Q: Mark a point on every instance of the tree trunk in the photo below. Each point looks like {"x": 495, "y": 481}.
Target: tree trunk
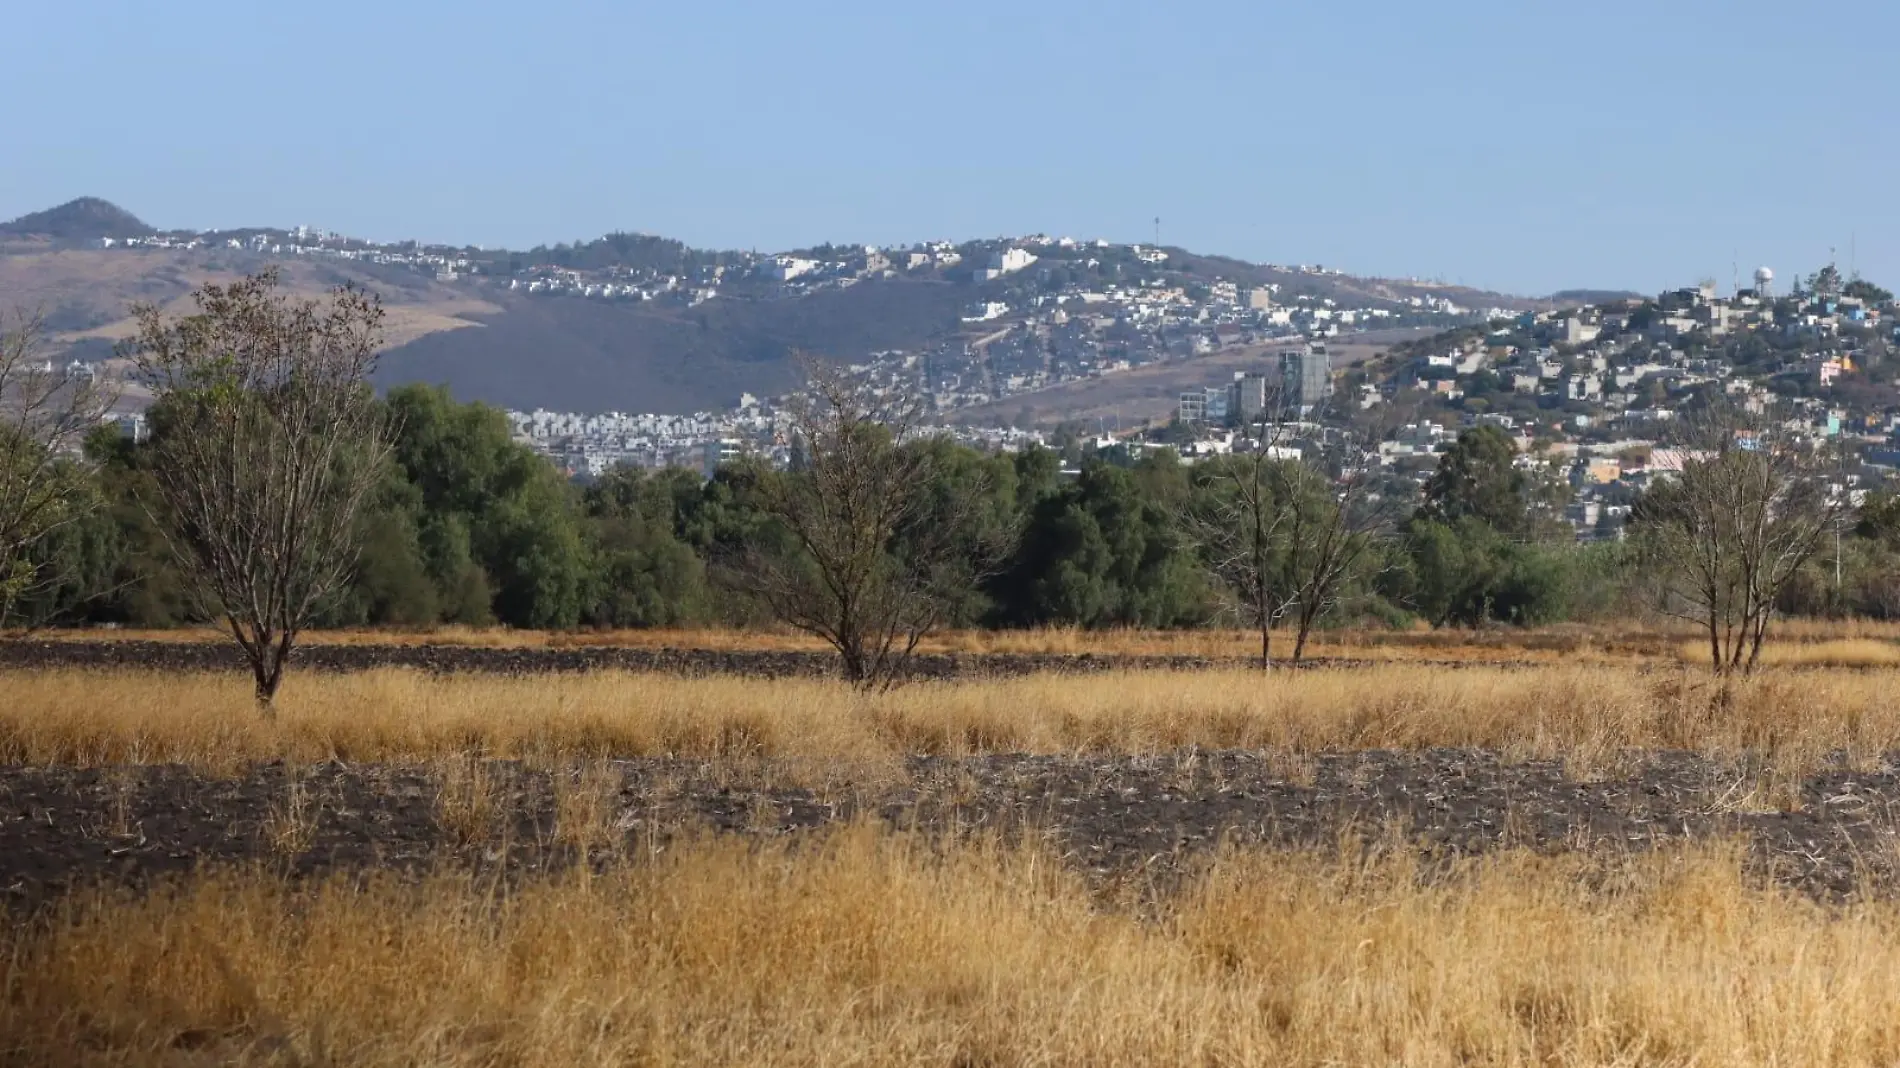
{"x": 1758, "y": 633}
{"x": 267, "y": 672}
{"x": 1266, "y": 643}
{"x": 1299, "y": 640}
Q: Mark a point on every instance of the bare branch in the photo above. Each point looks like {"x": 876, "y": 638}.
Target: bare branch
{"x": 1726, "y": 535}
{"x": 876, "y": 559}
{"x": 268, "y": 443}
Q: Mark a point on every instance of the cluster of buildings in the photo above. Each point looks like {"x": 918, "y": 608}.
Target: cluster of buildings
{"x": 443, "y": 263}
{"x": 1296, "y": 382}
{"x": 1041, "y": 310}
{"x": 1591, "y": 395}
{"x": 592, "y": 444}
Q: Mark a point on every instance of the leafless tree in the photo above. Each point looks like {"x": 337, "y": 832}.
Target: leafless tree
{"x": 1242, "y": 529}
{"x": 880, "y": 544}
{"x": 1337, "y": 531}
{"x": 268, "y": 441}
{"x": 1751, "y": 505}
{"x": 46, "y": 410}
{"x": 1281, "y": 537}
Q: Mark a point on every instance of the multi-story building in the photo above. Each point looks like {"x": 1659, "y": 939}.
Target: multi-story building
{"x": 1209, "y": 405}
{"x": 1306, "y": 376}
{"x": 1193, "y": 406}
{"x": 1250, "y": 394}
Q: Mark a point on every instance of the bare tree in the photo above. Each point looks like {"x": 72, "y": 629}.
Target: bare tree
{"x": 1750, "y": 506}
{"x": 1336, "y": 532}
{"x": 1281, "y": 537}
{"x": 1240, "y": 529}
{"x": 45, "y": 412}
{"x": 268, "y": 441}
{"x": 880, "y": 545}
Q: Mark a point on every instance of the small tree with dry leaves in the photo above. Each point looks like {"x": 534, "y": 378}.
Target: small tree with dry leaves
{"x": 875, "y": 554}
{"x": 1281, "y": 537}
{"x": 1339, "y": 521}
{"x": 268, "y": 440}
{"x": 45, "y": 411}
{"x": 1751, "y": 504}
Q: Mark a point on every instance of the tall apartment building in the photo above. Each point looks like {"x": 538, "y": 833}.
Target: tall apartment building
{"x": 1306, "y": 376}
{"x": 1250, "y": 394}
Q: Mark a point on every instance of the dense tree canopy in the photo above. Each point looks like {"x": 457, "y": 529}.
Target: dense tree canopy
{"x": 471, "y": 527}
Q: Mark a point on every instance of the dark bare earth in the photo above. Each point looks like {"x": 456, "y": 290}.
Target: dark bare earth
{"x": 449, "y": 659}
{"x": 1122, "y": 821}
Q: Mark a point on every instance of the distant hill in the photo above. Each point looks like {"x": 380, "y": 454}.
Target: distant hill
{"x": 567, "y": 353}
{"x": 85, "y": 219}
{"x": 455, "y": 319}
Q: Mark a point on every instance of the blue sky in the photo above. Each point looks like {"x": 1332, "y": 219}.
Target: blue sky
{"x": 1520, "y": 145}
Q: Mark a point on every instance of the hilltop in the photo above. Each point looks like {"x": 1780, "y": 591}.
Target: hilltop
{"x": 636, "y": 322}
{"x": 82, "y": 220}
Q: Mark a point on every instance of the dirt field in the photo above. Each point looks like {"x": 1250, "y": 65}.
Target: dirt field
{"x": 1118, "y": 821}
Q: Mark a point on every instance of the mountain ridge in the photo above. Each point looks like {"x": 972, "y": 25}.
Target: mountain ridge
{"x": 626, "y": 322}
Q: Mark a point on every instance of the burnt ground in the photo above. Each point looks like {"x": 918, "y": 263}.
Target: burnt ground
{"x": 446, "y": 659}
{"x": 1122, "y": 821}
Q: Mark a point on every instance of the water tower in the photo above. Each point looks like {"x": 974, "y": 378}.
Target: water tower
{"x": 1764, "y": 283}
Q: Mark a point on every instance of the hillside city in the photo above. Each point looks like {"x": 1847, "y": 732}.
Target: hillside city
{"x": 1586, "y": 393}
{"x": 1042, "y": 311}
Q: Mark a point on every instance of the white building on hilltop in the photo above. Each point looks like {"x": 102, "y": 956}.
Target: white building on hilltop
{"x": 786, "y": 268}
{"x": 1009, "y": 261}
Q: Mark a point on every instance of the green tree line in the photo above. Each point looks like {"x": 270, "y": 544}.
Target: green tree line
{"x": 469, "y": 526}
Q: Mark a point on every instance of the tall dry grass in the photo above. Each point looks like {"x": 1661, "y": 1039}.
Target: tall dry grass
{"x": 870, "y": 950}
{"x": 1577, "y": 712}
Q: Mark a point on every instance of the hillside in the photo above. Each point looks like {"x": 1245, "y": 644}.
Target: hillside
{"x": 86, "y": 219}
{"x": 84, "y": 296}
{"x": 567, "y": 353}
{"x": 636, "y": 322}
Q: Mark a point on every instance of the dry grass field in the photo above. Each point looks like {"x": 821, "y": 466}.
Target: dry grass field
{"x": 1555, "y": 847}
{"x": 1582, "y": 714}
{"x": 869, "y": 949}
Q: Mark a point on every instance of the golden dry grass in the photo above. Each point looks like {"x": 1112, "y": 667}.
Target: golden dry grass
{"x": 1831, "y": 652}
{"x": 1581, "y": 713}
{"x": 873, "y": 950}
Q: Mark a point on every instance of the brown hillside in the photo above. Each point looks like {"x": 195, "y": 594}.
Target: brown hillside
{"x": 86, "y": 295}
{"x": 568, "y": 353}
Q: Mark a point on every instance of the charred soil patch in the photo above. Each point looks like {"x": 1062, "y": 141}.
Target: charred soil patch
{"x": 1137, "y": 822}
{"x": 182, "y": 656}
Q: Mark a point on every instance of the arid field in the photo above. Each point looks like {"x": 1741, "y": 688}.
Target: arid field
{"x": 1050, "y": 848}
